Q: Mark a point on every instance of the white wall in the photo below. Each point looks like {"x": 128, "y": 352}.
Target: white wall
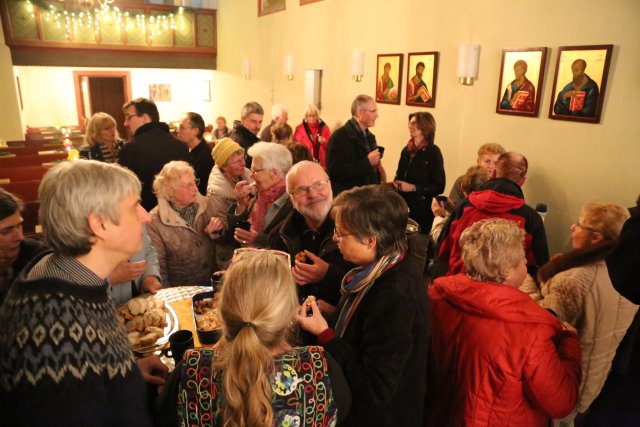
{"x": 49, "y": 92}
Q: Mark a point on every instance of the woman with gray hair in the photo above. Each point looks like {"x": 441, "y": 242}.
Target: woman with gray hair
{"x": 497, "y": 357}
{"x": 381, "y": 333}
{"x": 314, "y": 134}
{"x": 260, "y": 206}
{"x": 177, "y": 227}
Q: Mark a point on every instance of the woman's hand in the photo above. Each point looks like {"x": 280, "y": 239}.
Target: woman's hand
{"x": 244, "y": 237}
{"x": 214, "y": 228}
{"x": 244, "y": 192}
{"x": 315, "y": 323}
{"x": 438, "y": 208}
{"x": 127, "y": 271}
{"x": 151, "y": 284}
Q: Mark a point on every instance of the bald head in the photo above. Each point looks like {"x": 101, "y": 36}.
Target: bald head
{"x": 512, "y": 166}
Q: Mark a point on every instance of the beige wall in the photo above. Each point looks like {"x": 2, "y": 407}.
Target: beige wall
{"x": 570, "y": 163}
{"x": 10, "y": 118}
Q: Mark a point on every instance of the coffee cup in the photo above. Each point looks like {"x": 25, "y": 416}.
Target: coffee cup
{"x": 179, "y": 342}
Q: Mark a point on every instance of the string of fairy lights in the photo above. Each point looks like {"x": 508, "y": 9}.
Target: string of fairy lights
{"x": 92, "y": 18}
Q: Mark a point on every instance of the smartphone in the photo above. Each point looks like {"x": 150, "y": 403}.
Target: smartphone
{"x": 245, "y": 225}
{"x": 441, "y": 199}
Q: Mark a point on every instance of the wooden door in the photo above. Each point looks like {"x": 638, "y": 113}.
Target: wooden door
{"x": 107, "y": 95}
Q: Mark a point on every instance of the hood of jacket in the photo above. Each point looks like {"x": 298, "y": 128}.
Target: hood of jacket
{"x": 490, "y": 300}
{"x": 498, "y": 195}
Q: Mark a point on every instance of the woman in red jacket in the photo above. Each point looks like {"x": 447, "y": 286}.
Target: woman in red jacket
{"x": 499, "y": 358}
{"x": 314, "y": 133}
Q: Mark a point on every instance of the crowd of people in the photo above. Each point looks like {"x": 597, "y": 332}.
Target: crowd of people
{"x": 348, "y": 298}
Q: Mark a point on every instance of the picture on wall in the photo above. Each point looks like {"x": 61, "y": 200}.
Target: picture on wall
{"x": 422, "y": 79}
{"x": 520, "y": 84}
{"x": 389, "y": 78}
{"x": 160, "y": 92}
{"x": 266, "y": 7}
{"x": 303, "y": 2}
{"x": 580, "y": 82}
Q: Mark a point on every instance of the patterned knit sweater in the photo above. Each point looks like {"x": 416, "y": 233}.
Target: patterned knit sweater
{"x": 65, "y": 361}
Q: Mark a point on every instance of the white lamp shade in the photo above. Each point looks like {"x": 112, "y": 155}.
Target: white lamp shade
{"x": 357, "y": 63}
{"x": 288, "y": 65}
{"x": 245, "y": 68}
{"x": 468, "y": 60}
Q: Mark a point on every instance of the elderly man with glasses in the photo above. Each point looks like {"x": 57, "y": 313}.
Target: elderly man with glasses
{"x": 191, "y": 132}
{"x": 353, "y": 157}
{"x": 307, "y": 235}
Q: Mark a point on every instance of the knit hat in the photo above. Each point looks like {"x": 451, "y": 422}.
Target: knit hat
{"x": 223, "y": 149}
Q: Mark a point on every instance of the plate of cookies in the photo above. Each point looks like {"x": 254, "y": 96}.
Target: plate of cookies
{"x": 148, "y": 322}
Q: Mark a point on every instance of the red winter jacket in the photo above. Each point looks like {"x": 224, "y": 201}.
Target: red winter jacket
{"x": 498, "y": 358}
{"x": 498, "y": 198}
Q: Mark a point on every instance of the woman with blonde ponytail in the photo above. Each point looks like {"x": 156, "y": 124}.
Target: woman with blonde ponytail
{"x": 253, "y": 376}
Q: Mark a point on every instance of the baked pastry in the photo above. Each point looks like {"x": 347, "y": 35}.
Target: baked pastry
{"x": 301, "y": 257}
{"x": 134, "y": 338}
{"x": 309, "y": 300}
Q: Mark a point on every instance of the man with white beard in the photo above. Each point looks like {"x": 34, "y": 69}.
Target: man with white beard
{"x": 307, "y": 235}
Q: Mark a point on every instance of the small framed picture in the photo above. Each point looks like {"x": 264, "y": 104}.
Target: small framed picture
{"x": 520, "y": 84}
{"x": 580, "y": 82}
{"x": 160, "y": 92}
{"x": 389, "y": 78}
{"x": 303, "y": 2}
{"x": 422, "y": 79}
{"x": 266, "y": 7}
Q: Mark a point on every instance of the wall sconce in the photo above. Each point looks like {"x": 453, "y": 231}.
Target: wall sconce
{"x": 288, "y": 66}
{"x": 357, "y": 65}
{"x": 245, "y": 68}
{"x": 468, "y": 63}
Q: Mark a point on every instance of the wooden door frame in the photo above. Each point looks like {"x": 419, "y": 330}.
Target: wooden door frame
{"x": 77, "y": 77}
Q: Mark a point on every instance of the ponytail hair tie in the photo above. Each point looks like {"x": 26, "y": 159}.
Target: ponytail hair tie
{"x": 250, "y": 324}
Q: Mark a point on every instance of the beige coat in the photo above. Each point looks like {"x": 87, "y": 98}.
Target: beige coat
{"x": 585, "y": 297}
{"x": 185, "y": 254}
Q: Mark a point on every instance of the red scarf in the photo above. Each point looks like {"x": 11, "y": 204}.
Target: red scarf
{"x": 263, "y": 202}
{"x": 413, "y": 148}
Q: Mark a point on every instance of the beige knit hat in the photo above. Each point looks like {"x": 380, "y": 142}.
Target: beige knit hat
{"x": 223, "y": 149}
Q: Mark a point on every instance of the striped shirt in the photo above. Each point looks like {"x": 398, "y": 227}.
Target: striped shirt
{"x": 64, "y": 268}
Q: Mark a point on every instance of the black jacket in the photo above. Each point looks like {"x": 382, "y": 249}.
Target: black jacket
{"x": 347, "y": 162}
{"x": 287, "y": 238}
{"x": 426, "y": 171}
{"x": 245, "y": 138}
{"x": 383, "y": 352}
{"x": 202, "y": 162}
{"x": 151, "y": 147}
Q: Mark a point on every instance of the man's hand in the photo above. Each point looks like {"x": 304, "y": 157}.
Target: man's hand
{"x": 374, "y": 157}
{"x": 152, "y": 369}
{"x": 403, "y": 186}
{"x": 310, "y": 273}
{"x": 151, "y": 284}
{"x": 315, "y": 323}
{"x": 127, "y": 271}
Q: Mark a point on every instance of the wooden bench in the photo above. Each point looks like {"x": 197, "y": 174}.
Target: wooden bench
{"x": 25, "y": 173}
{"x": 26, "y": 190}
{"x": 30, "y": 160}
{"x": 34, "y": 149}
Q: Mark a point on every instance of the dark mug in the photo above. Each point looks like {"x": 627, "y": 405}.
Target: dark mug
{"x": 381, "y": 150}
{"x": 179, "y": 342}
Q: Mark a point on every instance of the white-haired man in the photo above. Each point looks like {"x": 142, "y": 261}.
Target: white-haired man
{"x": 307, "y": 234}
{"x": 279, "y": 114}
{"x": 65, "y": 359}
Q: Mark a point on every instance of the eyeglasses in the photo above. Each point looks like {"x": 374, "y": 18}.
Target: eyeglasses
{"x": 191, "y": 184}
{"x": 182, "y": 127}
{"x": 255, "y": 171}
{"x": 242, "y": 252}
{"x": 304, "y": 189}
{"x": 577, "y": 224}
{"x": 413, "y": 124}
{"x": 370, "y": 111}
{"x": 338, "y": 235}
{"x": 130, "y": 116}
